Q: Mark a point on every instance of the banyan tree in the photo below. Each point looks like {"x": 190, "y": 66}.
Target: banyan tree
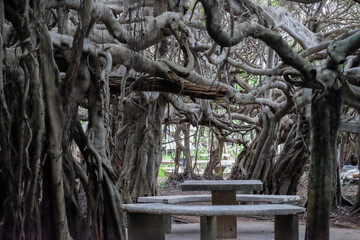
{"x": 87, "y": 86}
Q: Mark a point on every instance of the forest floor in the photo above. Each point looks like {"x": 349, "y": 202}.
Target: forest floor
{"x": 340, "y": 217}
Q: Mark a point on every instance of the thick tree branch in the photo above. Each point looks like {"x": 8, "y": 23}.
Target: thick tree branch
{"x": 305, "y": 1}
{"x": 156, "y": 29}
{"x": 152, "y": 84}
{"x": 340, "y": 49}
{"x": 247, "y": 28}
{"x": 128, "y": 58}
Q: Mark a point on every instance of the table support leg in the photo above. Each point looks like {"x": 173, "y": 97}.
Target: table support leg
{"x": 226, "y": 225}
{"x": 146, "y": 226}
{"x": 286, "y": 227}
{"x": 167, "y": 219}
{"x": 208, "y": 227}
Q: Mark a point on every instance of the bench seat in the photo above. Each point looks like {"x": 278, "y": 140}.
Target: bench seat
{"x": 170, "y": 173}
{"x": 214, "y": 210}
{"x": 148, "y": 221}
{"x": 207, "y": 198}
{"x": 167, "y": 162}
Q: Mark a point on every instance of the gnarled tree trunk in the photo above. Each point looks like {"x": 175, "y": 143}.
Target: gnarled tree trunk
{"x": 243, "y": 161}
{"x": 262, "y": 160}
{"x": 325, "y": 121}
{"x": 216, "y": 149}
{"x": 140, "y": 135}
{"x": 356, "y": 207}
{"x": 291, "y": 163}
{"x": 185, "y": 148}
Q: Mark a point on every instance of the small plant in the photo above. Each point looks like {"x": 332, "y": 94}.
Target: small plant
{"x": 218, "y": 174}
{"x": 161, "y": 184}
{"x": 162, "y": 173}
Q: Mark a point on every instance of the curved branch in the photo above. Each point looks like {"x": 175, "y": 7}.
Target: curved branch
{"x": 351, "y": 95}
{"x": 340, "y": 49}
{"x": 156, "y": 29}
{"x": 305, "y": 1}
{"x": 283, "y": 20}
{"x": 179, "y": 105}
{"x": 247, "y": 28}
{"x": 128, "y": 58}
{"x": 245, "y": 118}
{"x": 255, "y": 71}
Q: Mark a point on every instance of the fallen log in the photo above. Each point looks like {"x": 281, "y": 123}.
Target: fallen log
{"x": 153, "y": 84}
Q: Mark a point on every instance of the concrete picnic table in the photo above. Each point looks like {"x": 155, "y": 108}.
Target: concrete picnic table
{"x": 223, "y": 192}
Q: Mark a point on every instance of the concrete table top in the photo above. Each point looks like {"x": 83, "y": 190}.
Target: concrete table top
{"x": 222, "y": 185}
{"x": 176, "y": 199}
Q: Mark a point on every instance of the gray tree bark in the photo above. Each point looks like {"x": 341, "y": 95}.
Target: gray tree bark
{"x": 216, "y": 149}
{"x": 291, "y": 163}
{"x": 325, "y": 122}
{"x": 142, "y": 146}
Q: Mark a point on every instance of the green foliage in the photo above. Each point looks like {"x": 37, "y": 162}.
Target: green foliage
{"x": 161, "y": 184}
{"x": 254, "y": 80}
{"x": 162, "y": 172}
{"x": 237, "y": 86}
{"x": 200, "y": 151}
{"x": 218, "y": 174}
{"x": 234, "y": 150}
{"x": 275, "y": 3}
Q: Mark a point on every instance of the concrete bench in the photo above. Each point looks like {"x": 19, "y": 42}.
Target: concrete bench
{"x": 149, "y": 220}
{"x": 167, "y": 162}
{"x": 227, "y": 162}
{"x": 169, "y": 173}
{"x": 169, "y": 169}
{"x": 207, "y": 198}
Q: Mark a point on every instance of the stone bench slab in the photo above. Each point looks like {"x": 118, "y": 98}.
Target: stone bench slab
{"x": 214, "y": 210}
{"x": 207, "y": 198}
{"x": 170, "y": 173}
{"x": 149, "y": 220}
